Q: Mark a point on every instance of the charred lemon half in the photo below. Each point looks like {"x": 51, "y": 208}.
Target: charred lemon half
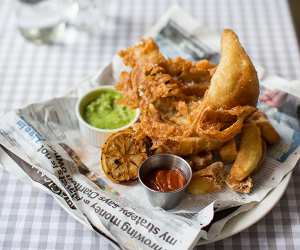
{"x": 122, "y": 155}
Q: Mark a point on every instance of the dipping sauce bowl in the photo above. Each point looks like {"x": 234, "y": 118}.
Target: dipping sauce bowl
{"x": 97, "y": 136}
{"x": 168, "y": 199}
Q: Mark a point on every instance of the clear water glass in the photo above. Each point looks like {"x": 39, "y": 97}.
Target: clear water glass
{"x": 45, "y": 21}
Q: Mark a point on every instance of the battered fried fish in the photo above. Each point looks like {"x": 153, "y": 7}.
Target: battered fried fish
{"x": 145, "y": 51}
{"x": 235, "y": 81}
{"x": 153, "y": 76}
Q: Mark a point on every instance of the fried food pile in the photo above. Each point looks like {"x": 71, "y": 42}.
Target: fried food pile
{"x": 204, "y": 112}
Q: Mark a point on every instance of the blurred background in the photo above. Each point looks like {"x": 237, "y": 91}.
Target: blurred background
{"x": 59, "y": 42}
{"x": 48, "y": 46}
{"x": 62, "y": 41}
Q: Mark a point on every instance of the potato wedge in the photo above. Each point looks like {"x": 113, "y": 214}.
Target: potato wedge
{"x": 250, "y": 153}
{"x": 228, "y": 151}
{"x": 267, "y": 130}
{"x": 208, "y": 180}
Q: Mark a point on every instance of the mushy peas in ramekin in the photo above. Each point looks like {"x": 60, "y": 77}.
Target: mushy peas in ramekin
{"x": 105, "y": 112}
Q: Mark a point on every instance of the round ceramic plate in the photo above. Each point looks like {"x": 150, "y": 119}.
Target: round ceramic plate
{"x": 247, "y": 219}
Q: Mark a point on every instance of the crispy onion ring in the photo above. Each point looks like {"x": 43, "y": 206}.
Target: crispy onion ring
{"x": 222, "y": 124}
{"x": 186, "y": 145}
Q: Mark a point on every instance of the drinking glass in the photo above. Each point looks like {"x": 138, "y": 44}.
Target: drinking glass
{"x": 49, "y": 21}
{"x": 44, "y": 21}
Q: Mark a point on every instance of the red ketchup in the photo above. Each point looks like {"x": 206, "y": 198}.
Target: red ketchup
{"x": 165, "y": 180}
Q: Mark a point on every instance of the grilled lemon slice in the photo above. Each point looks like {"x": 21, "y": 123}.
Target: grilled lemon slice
{"x": 122, "y": 155}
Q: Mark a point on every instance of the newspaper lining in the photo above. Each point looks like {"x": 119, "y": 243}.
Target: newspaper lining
{"x": 41, "y": 144}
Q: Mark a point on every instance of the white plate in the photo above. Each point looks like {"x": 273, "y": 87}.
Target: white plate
{"x": 247, "y": 219}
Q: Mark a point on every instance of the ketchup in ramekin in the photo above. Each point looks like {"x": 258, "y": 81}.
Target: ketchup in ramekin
{"x": 165, "y": 180}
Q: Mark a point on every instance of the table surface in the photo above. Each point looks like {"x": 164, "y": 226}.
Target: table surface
{"x": 31, "y": 219}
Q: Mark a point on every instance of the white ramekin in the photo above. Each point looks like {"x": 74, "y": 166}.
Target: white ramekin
{"x": 96, "y": 136}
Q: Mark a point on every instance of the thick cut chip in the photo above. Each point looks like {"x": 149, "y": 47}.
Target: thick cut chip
{"x": 267, "y": 130}
{"x": 208, "y": 180}
{"x": 228, "y": 151}
{"x": 122, "y": 156}
{"x": 250, "y": 153}
{"x": 245, "y": 186}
